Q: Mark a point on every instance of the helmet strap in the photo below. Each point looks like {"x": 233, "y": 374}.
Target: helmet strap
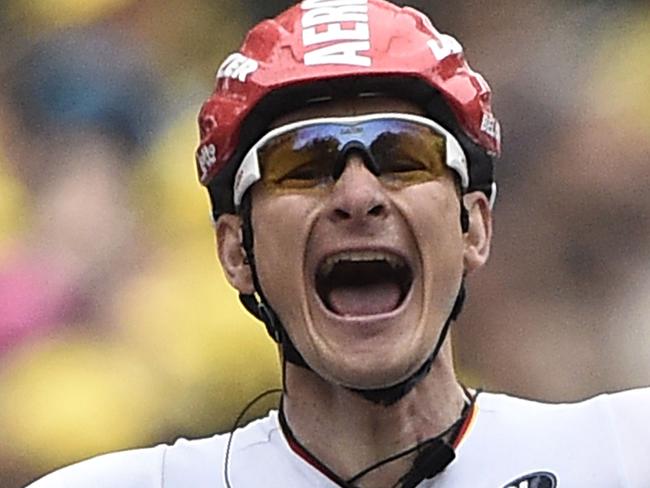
{"x": 392, "y": 394}
{"x": 259, "y": 307}
{"x": 464, "y": 218}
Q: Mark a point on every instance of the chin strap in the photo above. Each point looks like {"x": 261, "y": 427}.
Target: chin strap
{"x": 274, "y": 327}
{"x": 260, "y": 308}
{"x": 392, "y": 394}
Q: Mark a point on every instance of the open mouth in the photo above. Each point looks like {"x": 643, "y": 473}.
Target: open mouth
{"x": 363, "y": 283}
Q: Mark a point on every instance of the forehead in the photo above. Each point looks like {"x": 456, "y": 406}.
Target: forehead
{"x": 349, "y": 107}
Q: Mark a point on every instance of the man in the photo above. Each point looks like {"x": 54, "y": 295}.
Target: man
{"x": 348, "y": 152}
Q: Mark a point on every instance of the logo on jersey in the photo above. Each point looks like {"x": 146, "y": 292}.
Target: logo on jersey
{"x": 342, "y": 25}
{"x": 534, "y": 480}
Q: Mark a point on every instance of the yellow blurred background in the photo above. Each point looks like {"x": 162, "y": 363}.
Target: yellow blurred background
{"x": 117, "y": 328}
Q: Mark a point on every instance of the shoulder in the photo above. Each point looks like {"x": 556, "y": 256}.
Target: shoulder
{"x": 202, "y": 463}
{"x": 628, "y": 402}
{"x": 627, "y": 413}
{"x": 185, "y": 463}
{"x": 126, "y": 469}
{"x": 621, "y": 409}
{"x": 611, "y": 428}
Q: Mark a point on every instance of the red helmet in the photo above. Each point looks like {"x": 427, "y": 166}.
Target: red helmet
{"x": 322, "y": 49}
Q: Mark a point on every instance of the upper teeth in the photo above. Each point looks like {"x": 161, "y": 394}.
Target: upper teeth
{"x": 360, "y": 256}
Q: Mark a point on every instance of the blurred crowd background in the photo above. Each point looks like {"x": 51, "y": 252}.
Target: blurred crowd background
{"x": 117, "y": 329}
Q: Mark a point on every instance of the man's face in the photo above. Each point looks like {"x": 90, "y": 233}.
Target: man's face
{"x": 362, "y": 274}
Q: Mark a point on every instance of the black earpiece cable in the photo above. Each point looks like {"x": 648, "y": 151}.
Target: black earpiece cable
{"x": 251, "y": 404}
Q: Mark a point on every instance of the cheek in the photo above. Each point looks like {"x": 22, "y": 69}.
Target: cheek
{"x": 433, "y": 211}
{"x": 441, "y": 237}
{"x": 281, "y": 227}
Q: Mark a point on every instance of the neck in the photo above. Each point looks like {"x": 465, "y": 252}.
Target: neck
{"x": 348, "y": 433}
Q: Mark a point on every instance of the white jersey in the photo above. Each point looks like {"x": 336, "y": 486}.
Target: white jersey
{"x": 507, "y": 443}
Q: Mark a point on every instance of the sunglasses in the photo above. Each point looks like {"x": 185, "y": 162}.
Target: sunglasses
{"x": 400, "y": 149}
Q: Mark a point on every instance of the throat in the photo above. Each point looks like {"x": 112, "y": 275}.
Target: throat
{"x": 408, "y": 467}
{"x": 345, "y": 437}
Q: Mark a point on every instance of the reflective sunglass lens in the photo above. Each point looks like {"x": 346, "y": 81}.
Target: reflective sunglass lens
{"x": 402, "y": 152}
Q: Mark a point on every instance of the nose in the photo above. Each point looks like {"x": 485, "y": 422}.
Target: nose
{"x": 358, "y": 196}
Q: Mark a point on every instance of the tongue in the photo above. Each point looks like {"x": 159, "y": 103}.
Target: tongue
{"x": 369, "y": 299}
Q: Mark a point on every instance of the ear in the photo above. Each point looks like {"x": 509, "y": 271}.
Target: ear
{"x": 231, "y": 253}
{"x": 479, "y": 235}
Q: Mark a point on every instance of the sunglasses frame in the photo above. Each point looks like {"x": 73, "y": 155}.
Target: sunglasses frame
{"x": 249, "y": 171}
